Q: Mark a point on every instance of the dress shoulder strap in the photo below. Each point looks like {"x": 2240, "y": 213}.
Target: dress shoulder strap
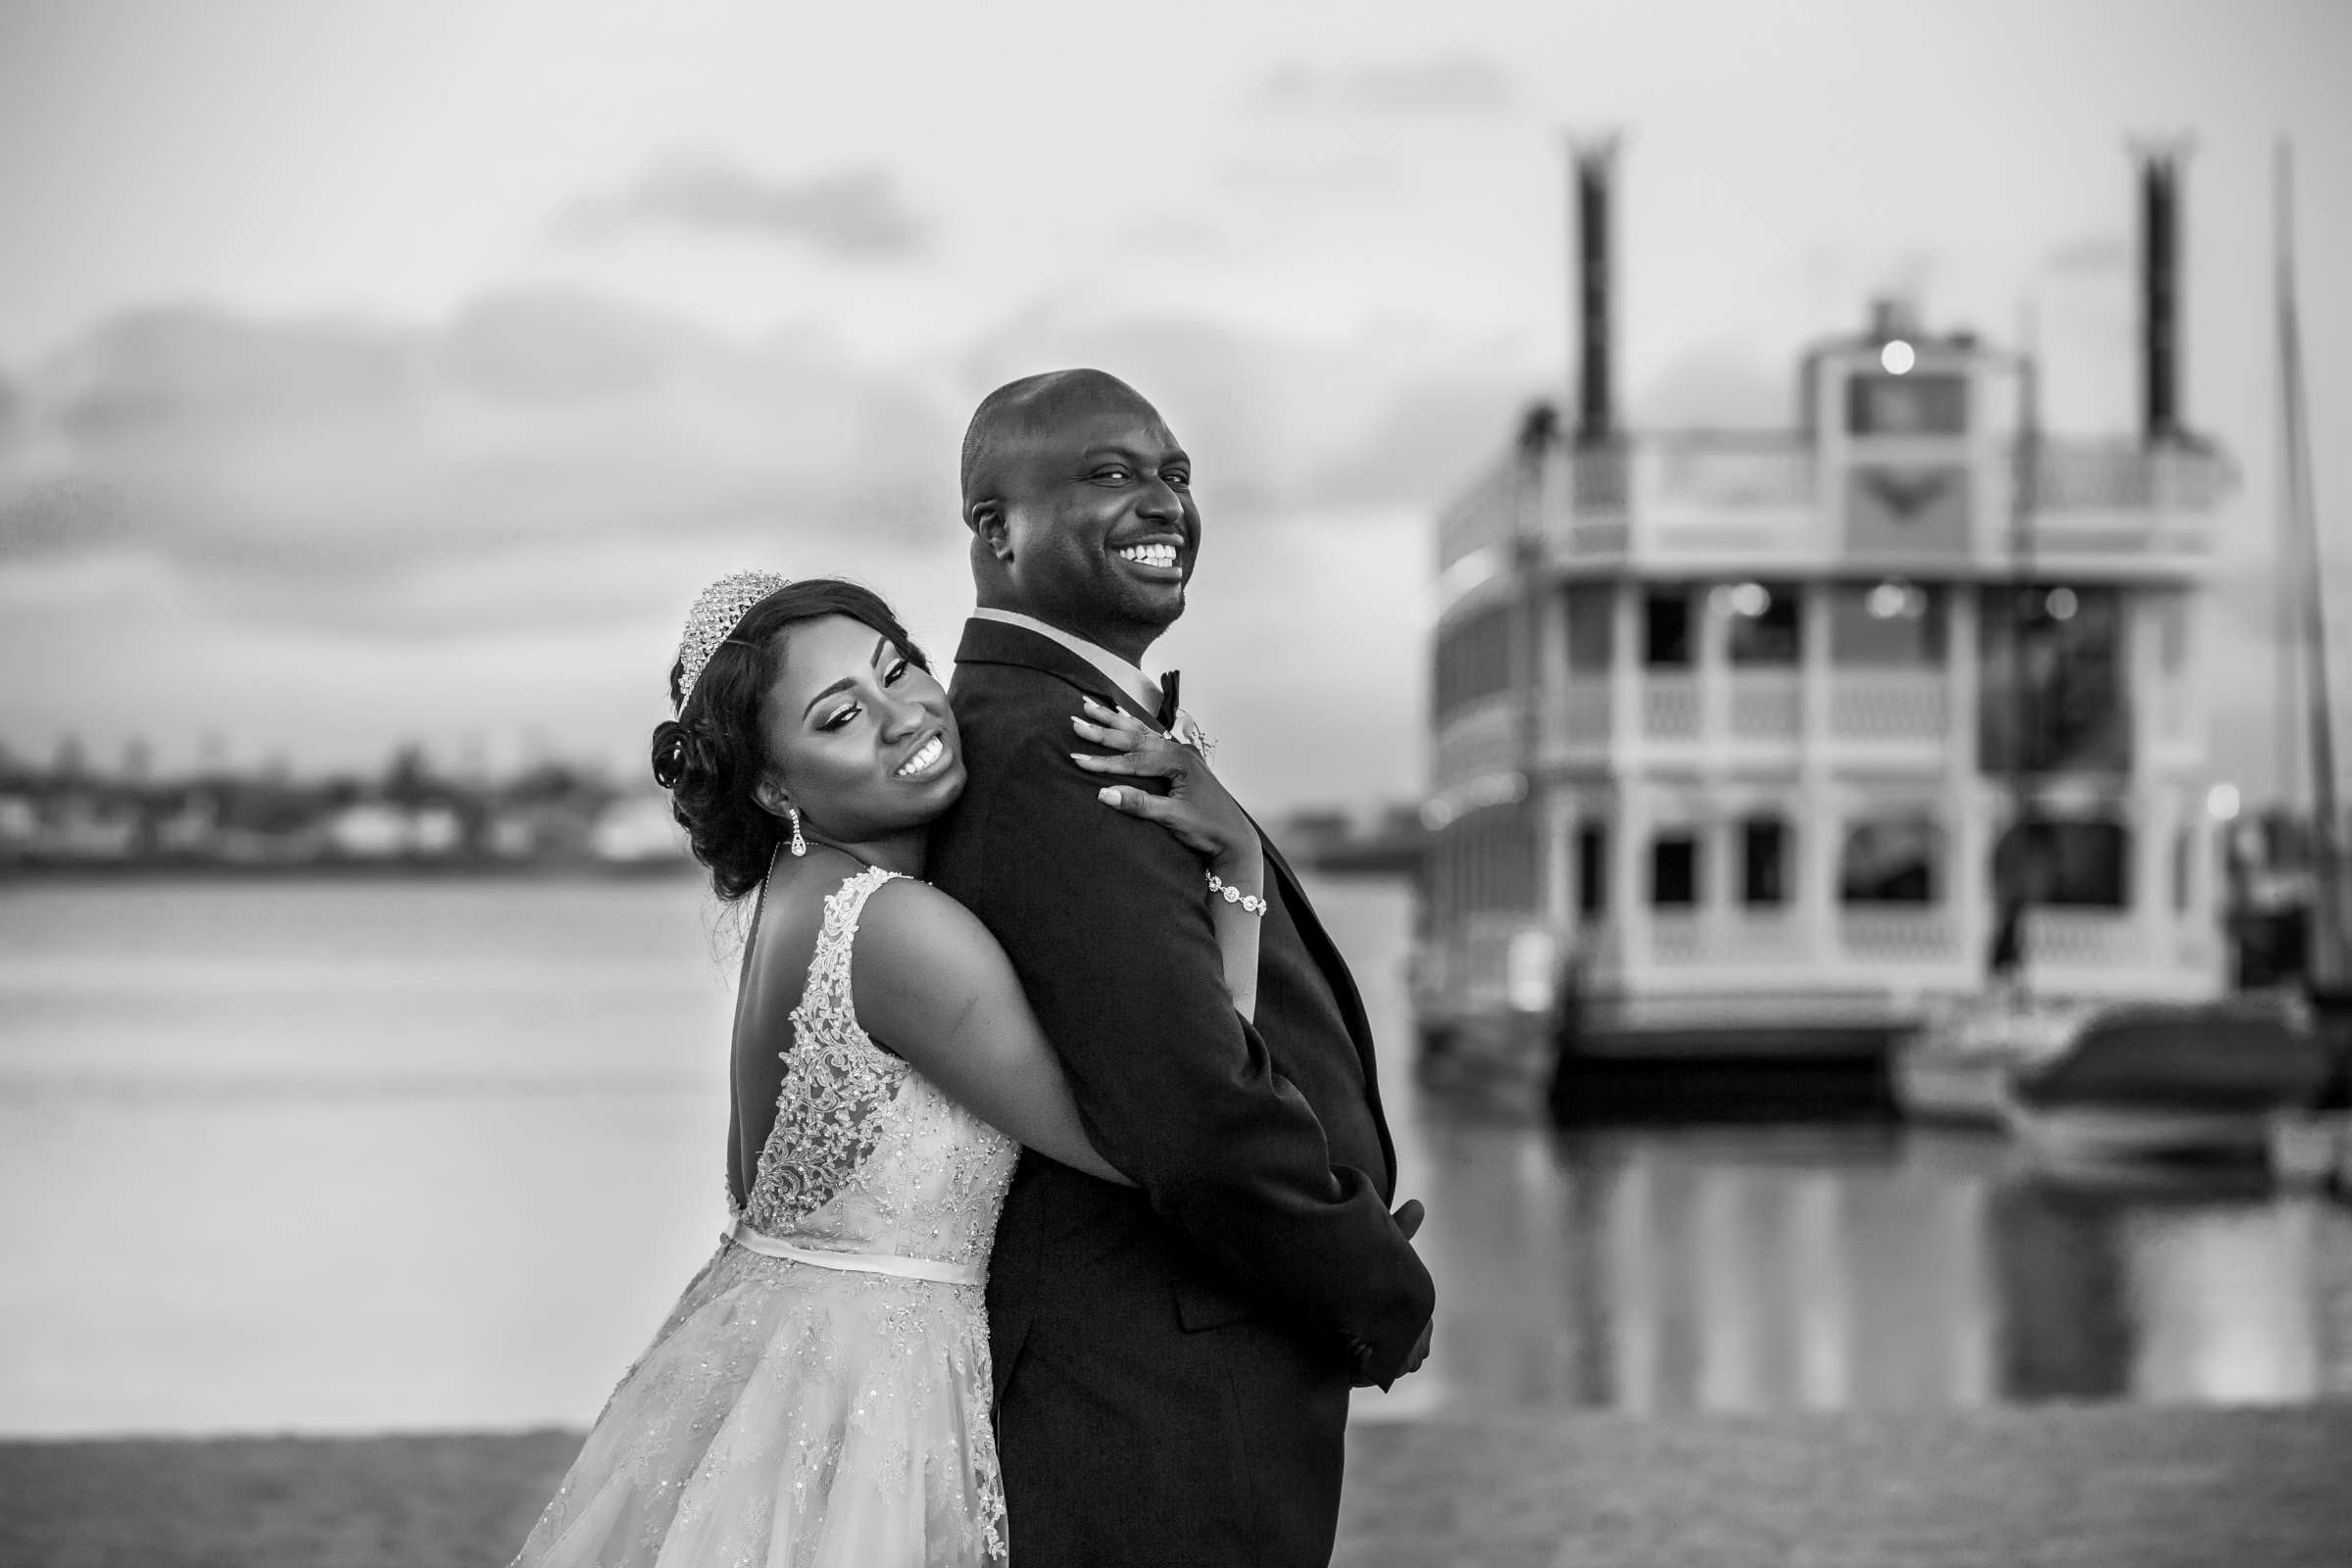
{"x": 826, "y": 1000}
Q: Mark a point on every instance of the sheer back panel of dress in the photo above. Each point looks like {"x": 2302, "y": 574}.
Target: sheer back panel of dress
{"x": 866, "y": 1155}
{"x": 837, "y": 1082}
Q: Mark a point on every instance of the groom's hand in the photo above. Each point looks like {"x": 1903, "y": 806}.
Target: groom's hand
{"x": 1408, "y": 1217}
{"x": 1412, "y": 1362}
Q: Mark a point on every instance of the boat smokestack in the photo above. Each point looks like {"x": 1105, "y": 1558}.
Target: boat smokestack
{"x": 2160, "y": 287}
{"x": 1595, "y": 163}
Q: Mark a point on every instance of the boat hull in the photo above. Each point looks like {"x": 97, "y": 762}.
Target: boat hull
{"x": 1962, "y": 1091}
{"x": 2106, "y": 1136}
{"x": 2169, "y": 1085}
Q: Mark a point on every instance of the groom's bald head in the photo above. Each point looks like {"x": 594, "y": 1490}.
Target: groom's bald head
{"x": 1010, "y": 420}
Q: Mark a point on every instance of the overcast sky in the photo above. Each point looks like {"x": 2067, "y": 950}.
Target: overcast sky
{"x": 384, "y": 372}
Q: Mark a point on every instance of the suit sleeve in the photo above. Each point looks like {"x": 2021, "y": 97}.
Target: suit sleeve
{"x": 1106, "y": 920}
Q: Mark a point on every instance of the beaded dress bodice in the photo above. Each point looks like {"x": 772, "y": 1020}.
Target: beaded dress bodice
{"x": 866, "y": 1155}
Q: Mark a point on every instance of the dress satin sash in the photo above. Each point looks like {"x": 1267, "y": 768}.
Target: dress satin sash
{"x": 906, "y": 1268}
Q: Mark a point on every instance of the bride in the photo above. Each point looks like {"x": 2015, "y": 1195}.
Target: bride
{"x": 821, "y": 1393}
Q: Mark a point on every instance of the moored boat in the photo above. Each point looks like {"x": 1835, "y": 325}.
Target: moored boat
{"x": 2199, "y": 1083}
{"x": 1955, "y": 1066}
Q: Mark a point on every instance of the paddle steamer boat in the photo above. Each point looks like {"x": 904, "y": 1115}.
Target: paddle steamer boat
{"x": 1745, "y": 746}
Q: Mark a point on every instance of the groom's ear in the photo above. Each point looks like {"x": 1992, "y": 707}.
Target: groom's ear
{"x": 987, "y": 520}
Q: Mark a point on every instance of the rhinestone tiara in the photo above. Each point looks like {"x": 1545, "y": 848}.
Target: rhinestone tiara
{"x": 717, "y": 610}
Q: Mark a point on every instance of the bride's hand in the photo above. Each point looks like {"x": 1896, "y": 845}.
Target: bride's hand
{"x": 1197, "y": 808}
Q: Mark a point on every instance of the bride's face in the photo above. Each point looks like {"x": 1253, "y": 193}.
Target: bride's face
{"x": 858, "y": 736}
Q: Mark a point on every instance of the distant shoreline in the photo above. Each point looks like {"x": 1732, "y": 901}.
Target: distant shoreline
{"x": 109, "y": 872}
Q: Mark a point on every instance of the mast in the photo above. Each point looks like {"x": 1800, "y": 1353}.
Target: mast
{"x": 2008, "y": 957}
{"x": 2330, "y": 966}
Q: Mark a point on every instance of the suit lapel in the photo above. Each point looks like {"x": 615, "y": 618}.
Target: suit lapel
{"x": 1336, "y": 975}
{"x": 994, "y": 642}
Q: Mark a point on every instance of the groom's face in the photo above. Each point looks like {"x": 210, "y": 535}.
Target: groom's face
{"x": 1099, "y": 522}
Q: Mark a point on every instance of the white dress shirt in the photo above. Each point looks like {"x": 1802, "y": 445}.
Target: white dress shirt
{"x": 1127, "y": 677}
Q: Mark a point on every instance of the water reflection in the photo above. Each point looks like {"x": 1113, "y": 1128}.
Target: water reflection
{"x": 488, "y": 1157}
{"x": 1792, "y": 1268}
{"x": 2216, "y": 1301}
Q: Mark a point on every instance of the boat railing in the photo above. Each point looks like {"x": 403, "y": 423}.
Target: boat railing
{"x": 1897, "y": 934}
{"x": 2122, "y": 475}
{"x": 1871, "y": 710}
{"x": 1477, "y": 739}
{"x": 1731, "y": 469}
{"x": 1670, "y": 707}
{"x": 1586, "y": 714}
{"x": 1889, "y": 705}
{"x": 1761, "y": 496}
{"x": 1765, "y": 704}
{"x": 2078, "y": 939}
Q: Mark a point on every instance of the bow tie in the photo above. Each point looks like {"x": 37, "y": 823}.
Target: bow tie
{"x": 1181, "y": 726}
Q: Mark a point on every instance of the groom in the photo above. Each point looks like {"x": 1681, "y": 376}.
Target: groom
{"x": 1173, "y": 1359}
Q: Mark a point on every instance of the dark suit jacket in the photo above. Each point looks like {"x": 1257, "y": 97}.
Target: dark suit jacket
{"x": 1172, "y": 1360}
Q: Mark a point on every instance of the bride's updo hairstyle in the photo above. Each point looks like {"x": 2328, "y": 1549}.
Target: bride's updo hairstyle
{"x": 713, "y": 756}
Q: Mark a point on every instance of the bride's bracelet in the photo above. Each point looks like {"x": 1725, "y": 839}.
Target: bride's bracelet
{"x": 1251, "y": 903}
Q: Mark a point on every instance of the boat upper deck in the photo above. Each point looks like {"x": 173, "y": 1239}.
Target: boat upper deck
{"x": 1712, "y": 503}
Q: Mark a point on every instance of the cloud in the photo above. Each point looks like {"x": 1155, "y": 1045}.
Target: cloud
{"x": 1449, "y": 83}
{"x": 1294, "y": 177}
{"x": 855, "y": 212}
{"x": 417, "y": 479}
{"x": 1170, "y": 234}
{"x": 327, "y": 467}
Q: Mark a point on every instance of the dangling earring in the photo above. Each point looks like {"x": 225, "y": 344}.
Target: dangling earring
{"x": 799, "y": 845}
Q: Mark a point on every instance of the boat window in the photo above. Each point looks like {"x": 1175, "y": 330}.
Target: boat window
{"x": 1888, "y": 623}
{"x": 2072, "y": 705}
{"x": 1907, "y": 405}
{"x": 1591, "y": 870}
{"x": 2081, "y": 865}
{"x": 1763, "y": 862}
{"x": 1591, "y": 610}
{"x": 1474, "y": 658}
{"x": 1892, "y": 861}
{"x": 1666, "y": 628}
{"x": 1674, "y": 870}
{"x": 1765, "y": 622}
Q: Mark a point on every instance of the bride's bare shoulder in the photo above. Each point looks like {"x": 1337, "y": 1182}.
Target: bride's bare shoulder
{"x": 904, "y": 907}
{"x": 913, "y": 933}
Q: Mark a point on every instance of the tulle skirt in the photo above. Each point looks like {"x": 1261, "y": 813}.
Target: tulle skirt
{"x": 792, "y": 1416}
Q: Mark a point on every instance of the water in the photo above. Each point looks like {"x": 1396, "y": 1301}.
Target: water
{"x": 378, "y": 1156}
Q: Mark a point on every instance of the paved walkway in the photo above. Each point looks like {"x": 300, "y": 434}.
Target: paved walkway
{"x": 2073, "y": 1487}
{"x": 2058, "y": 1487}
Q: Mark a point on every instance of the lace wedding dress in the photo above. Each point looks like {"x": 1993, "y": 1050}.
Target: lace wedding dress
{"x": 820, "y": 1394}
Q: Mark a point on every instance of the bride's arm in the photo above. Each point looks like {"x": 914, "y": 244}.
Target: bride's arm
{"x": 930, "y": 983}
{"x": 1201, "y": 814}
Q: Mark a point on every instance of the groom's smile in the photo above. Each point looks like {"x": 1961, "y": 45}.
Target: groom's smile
{"x": 1112, "y": 532}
